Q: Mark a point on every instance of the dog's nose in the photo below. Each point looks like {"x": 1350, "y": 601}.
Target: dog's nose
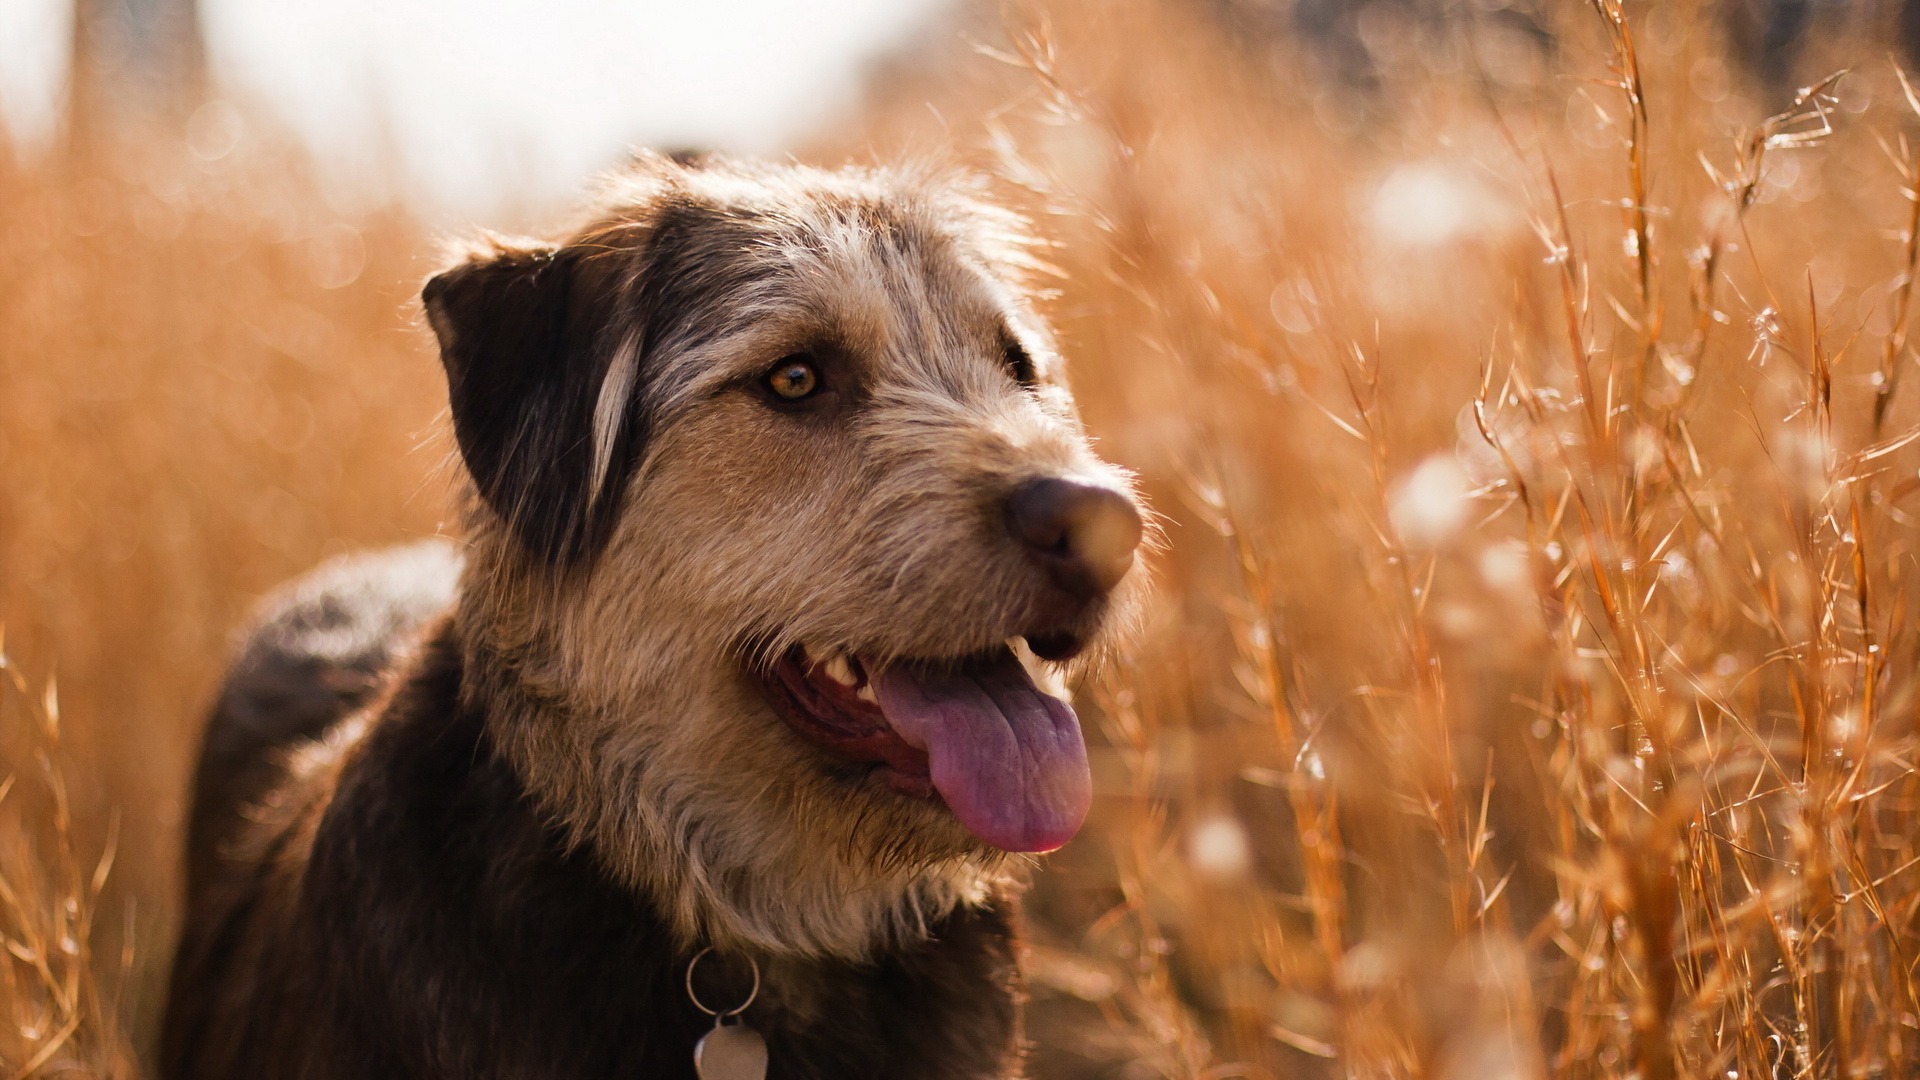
{"x": 1083, "y": 535}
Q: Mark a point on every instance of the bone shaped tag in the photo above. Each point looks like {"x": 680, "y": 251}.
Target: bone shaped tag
{"x": 731, "y": 1052}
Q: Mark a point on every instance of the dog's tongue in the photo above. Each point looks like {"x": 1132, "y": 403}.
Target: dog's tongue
{"x": 1007, "y": 758}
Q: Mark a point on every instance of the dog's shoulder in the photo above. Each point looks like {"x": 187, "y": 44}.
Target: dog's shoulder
{"x": 318, "y": 646}
{"x": 317, "y": 650}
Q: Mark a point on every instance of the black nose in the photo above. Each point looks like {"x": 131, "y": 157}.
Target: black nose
{"x": 1081, "y": 534}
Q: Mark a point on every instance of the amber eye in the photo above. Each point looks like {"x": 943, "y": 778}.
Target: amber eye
{"x": 793, "y": 378}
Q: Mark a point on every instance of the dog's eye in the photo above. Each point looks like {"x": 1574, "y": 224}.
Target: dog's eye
{"x": 794, "y": 378}
{"x": 1019, "y": 363}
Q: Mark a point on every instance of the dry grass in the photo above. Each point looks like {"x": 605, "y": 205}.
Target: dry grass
{"x": 208, "y": 381}
{"x": 1532, "y": 685}
{"x": 54, "y": 1019}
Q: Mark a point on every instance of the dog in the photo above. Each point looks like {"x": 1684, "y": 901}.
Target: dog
{"x": 742, "y": 697}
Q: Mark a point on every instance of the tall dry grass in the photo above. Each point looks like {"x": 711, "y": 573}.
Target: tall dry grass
{"x": 55, "y": 1019}
{"x": 1531, "y": 685}
{"x": 209, "y": 379}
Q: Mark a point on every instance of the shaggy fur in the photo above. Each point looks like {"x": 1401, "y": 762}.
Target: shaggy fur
{"x": 574, "y": 783}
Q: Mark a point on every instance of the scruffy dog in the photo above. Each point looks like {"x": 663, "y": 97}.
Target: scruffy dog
{"x": 782, "y": 532}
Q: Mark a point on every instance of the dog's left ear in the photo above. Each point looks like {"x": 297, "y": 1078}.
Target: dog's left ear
{"x": 526, "y": 338}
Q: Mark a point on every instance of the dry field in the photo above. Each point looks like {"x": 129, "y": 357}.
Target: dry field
{"x": 1531, "y": 688}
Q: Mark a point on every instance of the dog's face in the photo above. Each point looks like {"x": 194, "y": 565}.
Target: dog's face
{"x": 787, "y": 521}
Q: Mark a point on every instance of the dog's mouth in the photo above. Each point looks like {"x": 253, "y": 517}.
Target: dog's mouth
{"x": 1006, "y": 757}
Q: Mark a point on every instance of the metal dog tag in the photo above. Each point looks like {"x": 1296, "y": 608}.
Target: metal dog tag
{"x": 731, "y": 1052}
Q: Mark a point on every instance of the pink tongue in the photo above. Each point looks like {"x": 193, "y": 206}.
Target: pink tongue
{"x": 1007, "y": 758}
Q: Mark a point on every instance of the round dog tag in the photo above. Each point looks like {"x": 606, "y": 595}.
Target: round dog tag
{"x": 731, "y": 1052}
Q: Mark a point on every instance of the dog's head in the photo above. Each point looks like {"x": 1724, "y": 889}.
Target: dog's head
{"x": 785, "y": 526}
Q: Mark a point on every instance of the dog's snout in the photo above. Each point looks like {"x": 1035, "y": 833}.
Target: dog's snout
{"x": 1083, "y": 535}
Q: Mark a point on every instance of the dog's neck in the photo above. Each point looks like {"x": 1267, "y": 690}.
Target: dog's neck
{"x": 724, "y": 861}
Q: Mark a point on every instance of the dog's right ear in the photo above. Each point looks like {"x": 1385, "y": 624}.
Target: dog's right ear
{"x": 524, "y": 335}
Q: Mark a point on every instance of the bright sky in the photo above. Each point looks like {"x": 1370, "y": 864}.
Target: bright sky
{"x": 485, "y": 98}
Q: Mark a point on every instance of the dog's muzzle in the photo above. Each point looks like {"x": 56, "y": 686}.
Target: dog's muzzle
{"x": 975, "y": 730}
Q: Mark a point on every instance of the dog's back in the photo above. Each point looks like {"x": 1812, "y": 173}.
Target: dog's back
{"x": 318, "y": 650}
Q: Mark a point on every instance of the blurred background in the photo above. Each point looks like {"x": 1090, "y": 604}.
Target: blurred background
{"x": 461, "y": 106}
{"x": 1530, "y": 686}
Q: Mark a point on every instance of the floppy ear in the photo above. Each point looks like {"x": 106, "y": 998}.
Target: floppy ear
{"x": 527, "y": 337}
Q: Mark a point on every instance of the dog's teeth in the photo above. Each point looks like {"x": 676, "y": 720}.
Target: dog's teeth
{"x": 866, "y": 694}
{"x": 838, "y": 671}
